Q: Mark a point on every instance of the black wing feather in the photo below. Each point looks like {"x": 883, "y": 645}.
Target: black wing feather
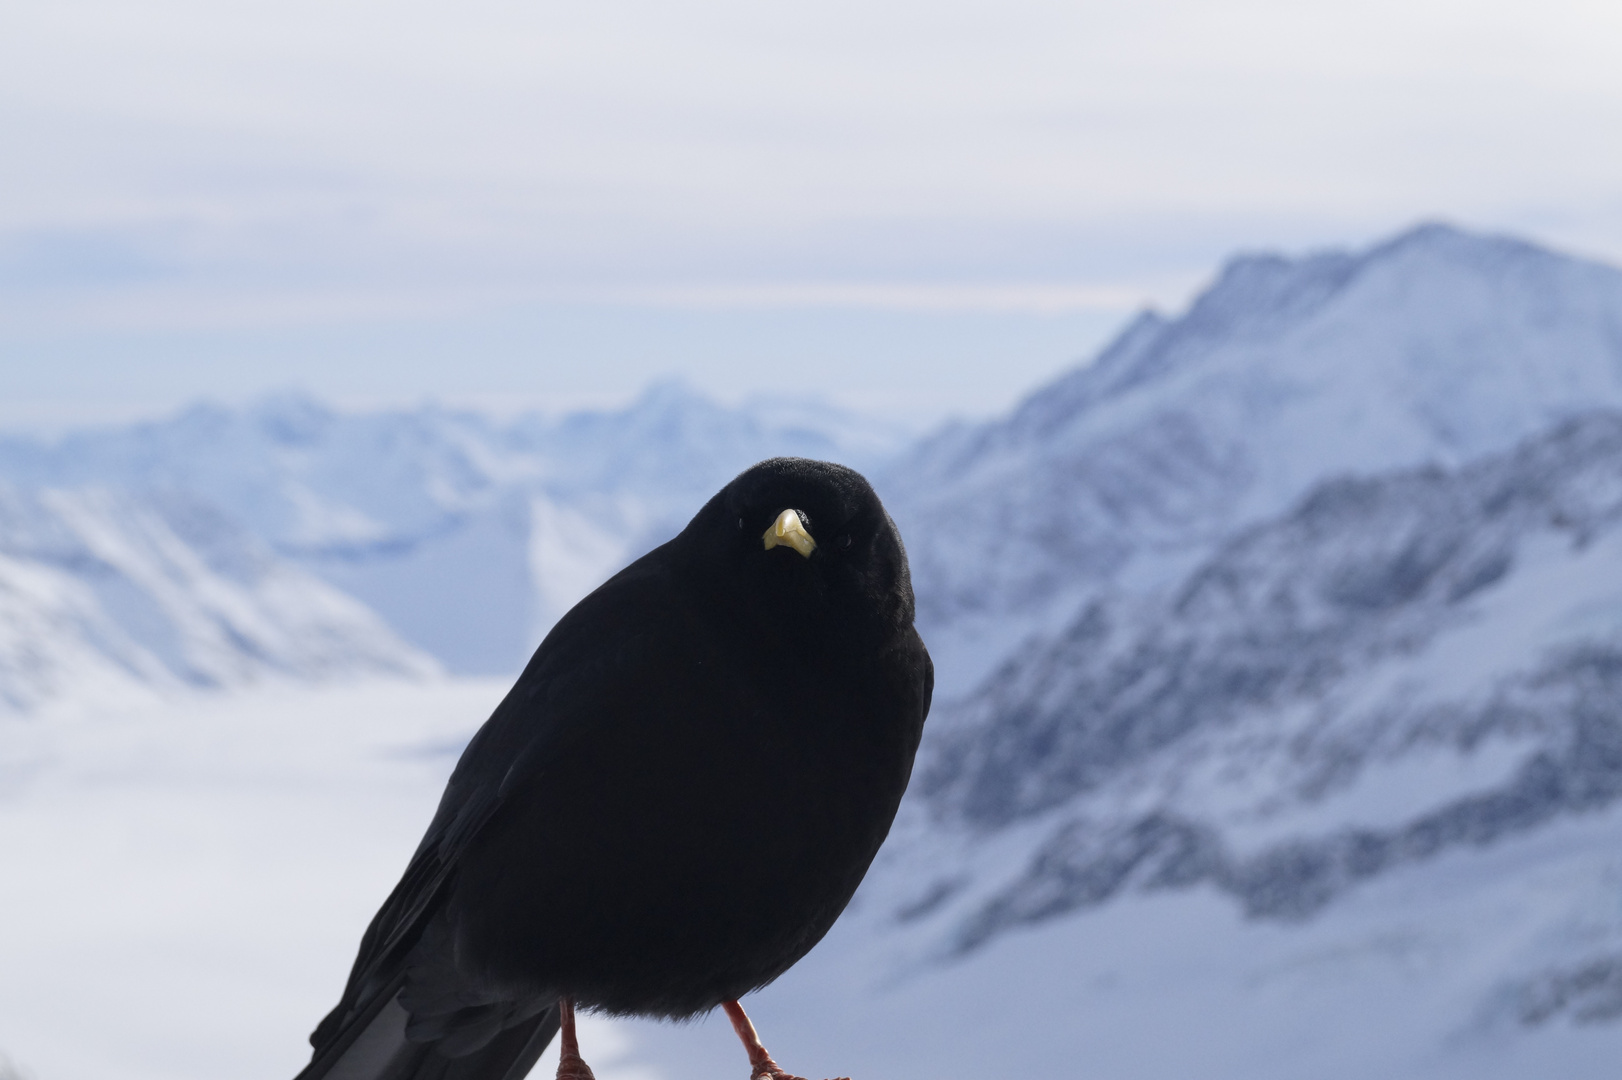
{"x": 585, "y": 656}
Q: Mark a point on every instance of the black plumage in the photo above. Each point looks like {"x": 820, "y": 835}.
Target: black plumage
{"x": 674, "y": 802}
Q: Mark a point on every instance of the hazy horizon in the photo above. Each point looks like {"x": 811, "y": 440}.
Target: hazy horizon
{"x": 909, "y": 206}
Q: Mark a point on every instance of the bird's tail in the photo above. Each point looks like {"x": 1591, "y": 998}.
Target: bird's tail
{"x": 374, "y": 1046}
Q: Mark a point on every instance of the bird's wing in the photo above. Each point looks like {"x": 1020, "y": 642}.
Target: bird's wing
{"x": 379, "y": 966}
{"x": 374, "y": 1046}
{"x": 594, "y": 650}
{"x": 363, "y": 1038}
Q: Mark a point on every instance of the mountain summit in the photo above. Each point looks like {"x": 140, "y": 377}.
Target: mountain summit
{"x": 1435, "y": 347}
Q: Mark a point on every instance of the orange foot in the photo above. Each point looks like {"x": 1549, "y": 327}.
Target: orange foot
{"x": 761, "y": 1065}
{"x": 570, "y": 1064}
{"x": 570, "y": 1067}
{"x": 770, "y": 1070}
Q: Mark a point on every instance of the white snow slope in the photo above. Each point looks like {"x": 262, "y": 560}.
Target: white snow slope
{"x": 104, "y": 594}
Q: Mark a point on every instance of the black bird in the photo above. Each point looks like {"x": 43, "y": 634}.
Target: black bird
{"x": 671, "y": 806}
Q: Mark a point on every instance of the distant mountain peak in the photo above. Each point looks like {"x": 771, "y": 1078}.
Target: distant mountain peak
{"x": 668, "y": 391}
{"x": 1446, "y": 240}
{"x": 1257, "y": 297}
{"x": 1260, "y": 291}
{"x": 1438, "y": 345}
{"x": 468, "y": 532}
{"x": 291, "y": 417}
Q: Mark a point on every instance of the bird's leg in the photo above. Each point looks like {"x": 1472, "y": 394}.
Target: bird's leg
{"x": 570, "y": 1067}
{"x": 761, "y": 1065}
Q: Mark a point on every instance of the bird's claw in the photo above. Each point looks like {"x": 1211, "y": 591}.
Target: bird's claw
{"x": 571, "y": 1067}
{"x": 775, "y": 1072}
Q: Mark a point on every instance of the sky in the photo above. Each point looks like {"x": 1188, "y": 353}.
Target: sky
{"x": 919, "y": 208}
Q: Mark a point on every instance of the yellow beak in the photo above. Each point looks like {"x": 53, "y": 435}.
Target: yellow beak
{"x": 788, "y": 530}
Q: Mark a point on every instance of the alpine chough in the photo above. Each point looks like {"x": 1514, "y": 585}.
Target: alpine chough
{"x": 670, "y": 807}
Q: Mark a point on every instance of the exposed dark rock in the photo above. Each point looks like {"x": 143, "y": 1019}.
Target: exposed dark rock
{"x": 1588, "y": 993}
{"x": 1085, "y": 863}
{"x": 1361, "y": 569}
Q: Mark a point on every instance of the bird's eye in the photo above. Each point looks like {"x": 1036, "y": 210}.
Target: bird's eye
{"x": 843, "y": 541}
{"x": 740, "y": 523}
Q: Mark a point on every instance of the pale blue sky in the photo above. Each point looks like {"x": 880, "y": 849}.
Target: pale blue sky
{"x": 902, "y": 205}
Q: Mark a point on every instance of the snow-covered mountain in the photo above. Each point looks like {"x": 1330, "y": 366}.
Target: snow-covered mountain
{"x": 1306, "y": 605}
{"x": 1435, "y": 347}
{"x": 102, "y": 593}
{"x": 1401, "y": 665}
{"x": 469, "y": 535}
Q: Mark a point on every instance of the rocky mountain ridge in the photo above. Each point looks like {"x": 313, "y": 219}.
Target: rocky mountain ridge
{"x": 1470, "y": 619}
{"x": 1437, "y": 346}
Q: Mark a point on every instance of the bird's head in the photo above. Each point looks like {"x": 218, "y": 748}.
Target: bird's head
{"x": 803, "y": 538}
